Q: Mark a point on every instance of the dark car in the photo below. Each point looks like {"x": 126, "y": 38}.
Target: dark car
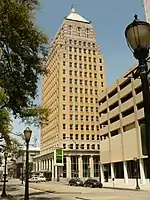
{"x": 92, "y": 183}
{"x": 75, "y": 182}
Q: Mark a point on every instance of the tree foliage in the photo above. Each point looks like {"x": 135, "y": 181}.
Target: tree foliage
{"x": 23, "y": 50}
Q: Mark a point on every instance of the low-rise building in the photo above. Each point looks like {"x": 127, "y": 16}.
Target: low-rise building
{"x": 121, "y": 115}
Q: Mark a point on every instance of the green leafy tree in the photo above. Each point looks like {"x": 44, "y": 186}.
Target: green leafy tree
{"x": 23, "y": 51}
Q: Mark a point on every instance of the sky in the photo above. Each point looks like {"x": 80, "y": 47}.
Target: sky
{"x": 109, "y": 18}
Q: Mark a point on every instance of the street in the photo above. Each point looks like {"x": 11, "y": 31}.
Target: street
{"x": 61, "y": 191}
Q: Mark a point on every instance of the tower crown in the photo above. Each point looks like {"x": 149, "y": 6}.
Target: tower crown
{"x": 73, "y": 15}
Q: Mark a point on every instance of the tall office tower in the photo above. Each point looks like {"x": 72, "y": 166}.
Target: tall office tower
{"x": 75, "y": 79}
{"x": 147, "y": 9}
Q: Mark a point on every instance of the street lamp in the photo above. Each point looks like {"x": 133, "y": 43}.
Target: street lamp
{"x": 138, "y": 39}
{"x": 136, "y": 173}
{"x": 5, "y": 175}
{"x": 27, "y": 134}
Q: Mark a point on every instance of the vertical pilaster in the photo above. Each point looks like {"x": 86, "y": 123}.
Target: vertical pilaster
{"x": 125, "y": 172}
{"x": 142, "y": 173}
{"x": 112, "y": 170}
{"x": 80, "y": 162}
{"x": 52, "y": 169}
{"x": 91, "y": 166}
{"x": 68, "y": 166}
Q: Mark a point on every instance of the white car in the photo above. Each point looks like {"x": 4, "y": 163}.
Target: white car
{"x": 42, "y": 179}
{"x": 34, "y": 179}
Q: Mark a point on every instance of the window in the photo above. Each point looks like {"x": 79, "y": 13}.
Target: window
{"x": 71, "y": 136}
{"x": 64, "y": 71}
{"x": 81, "y": 108}
{"x": 77, "y": 146}
{"x": 86, "y": 91}
{"x": 87, "y": 127}
{"x": 90, "y": 67}
{"x": 81, "y": 117}
{"x": 96, "y": 92}
{"x": 70, "y": 72}
{"x": 70, "y": 80}
{"x": 76, "y": 108}
{"x": 85, "y": 58}
{"x": 82, "y": 127}
{"x": 78, "y": 31}
{"x": 91, "y": 100}
{"x": 64, "y": 107}
{"x": 102, "y": 84}
{"x": 71, "y": 107}
{"x": 75, "y": 57}
{"x": 97, "y": 137}
{"x": 94, "y": 45}
{"x": 75, "y": 49}
{"x": 81, "y": 90}
{"x": 87, "y": 32}
{"x": 70, "y": 56}
{"x": 64, "y": 126}
{"x": 76, "y": 127}
{"x": 88, "y": 146}
{"x": 80, "y": 58}
{"x": 75, "y": 81}
{"x": 64, "y": 63}
{"x": 82, "y": 146}
{"x": 75, "y": 42}
{"x": 80, "y": 50}
{"x": 77, "y": 136}
{"x": 92, "y": 118}
{"x": 64, "y": 80}
{"x": 91, "y": 91}
{"x": 75, "y": 65}
{"x": 76, "y": 99}
{"x": 64, "y": 136}
{"x": 70, "y": 64}
{"x": 89, "y": 44}
{"x": 70, "y": 49}
{"x": 70, "y": 98}
{"x": 80, "y": 82}
{"x": 64, "y": 55}
{"x": 85, "y": 66}
{"x": 93, "y": 137}
{"x": 86, "y": 82}
{"x": 98, "y": 146}
{"x": 81, "y": 99}
{"x": 87, "y": 118}
{"x": 76, "y": 117}
{"x": 87, "y": 137}
{"x": 64, "y": 97}
{"x": 76, "y": 90}
{"x": 90, "y": 75}
{"x": 85, "y": 74}
{"x": 84, "y": 50}
{"x": 69, "y": 29}
{"x": 94, "y": 67}
{"x": 75, "y": 73}
{"x": 93, "y": 146}
{"x": 100, "y": 68}
{"x": 71, "y": 117}
{"x": 70, "y": 41}
{"x": 89, "y": 59}
{"x": 93, "y": 52}
{"x": 95, "y": 75}
{"x": 64, "y": 116}
{"x": 79, "y": 42}
{"x": 82, "y": 136}
{"x": 94, "y": 59}
{"x": 84, "y": 44}
{"x": 71, "y": 146}
{"x": 101, "y": 75}
{"x": 64, "y": 146}
{"x": 87, "y": 108}
{"x": 86, "y": 99}
{"x": 80, "y": 65}
{"x": 70, "y": 89}
{"x": 80, "y": 73}
{"x": 64, "y": 88}
{"x": 92, "y": 127}
{"x": 71, "y": 126}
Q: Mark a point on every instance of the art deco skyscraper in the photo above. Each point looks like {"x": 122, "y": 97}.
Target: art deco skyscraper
{"x": 147, "y": 9}
{"x": 75, "y": 79}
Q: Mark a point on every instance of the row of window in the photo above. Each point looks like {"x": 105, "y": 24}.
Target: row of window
{"x": 81, "y": 99}
{"x": 80, "y": 108}
{"x": 80, "y": 50}
{"x": 78, "y": 30}
{"x": 85, "y": 58}
{"x": 81, "y": 117}
{"x": 82, "y": 137}
{"x": 81, "y": 82}
{"x": 85, "y": 44}
{"x": 80, "y": 65}
{"x": 82, "y": 146}
{"x": 81, "y": 127}
{"x": 81, "y": 73}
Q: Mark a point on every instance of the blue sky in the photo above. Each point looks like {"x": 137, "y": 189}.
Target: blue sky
{"x": 109, "y": 17}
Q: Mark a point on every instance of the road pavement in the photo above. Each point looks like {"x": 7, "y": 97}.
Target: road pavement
{"x": 61, "y": 191}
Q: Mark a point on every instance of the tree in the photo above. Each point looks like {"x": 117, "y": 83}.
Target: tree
{"x": 23, "y": 51}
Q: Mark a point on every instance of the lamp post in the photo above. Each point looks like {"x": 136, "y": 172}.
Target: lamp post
{"x": 5, "y": 175}
{"x": 27, "y": 134}
{"x": 22, "y": 168}
{"x": 138, "y": 39}
{"x": 136, "y": 173}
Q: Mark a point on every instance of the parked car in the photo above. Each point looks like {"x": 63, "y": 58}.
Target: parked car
{"x": 75, "y": 182}
{"x": 92, "y": 183}
{"x": 34, "y": 179}
{"x": 42, "y": 179}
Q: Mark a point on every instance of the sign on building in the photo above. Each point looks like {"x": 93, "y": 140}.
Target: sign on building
{"x": 58, "y": 157}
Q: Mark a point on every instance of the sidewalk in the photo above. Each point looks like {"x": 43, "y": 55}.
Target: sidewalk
{"x": 121, "y": 185}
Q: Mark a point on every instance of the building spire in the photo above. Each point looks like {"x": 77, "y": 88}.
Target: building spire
{"x": 73, "y": 9}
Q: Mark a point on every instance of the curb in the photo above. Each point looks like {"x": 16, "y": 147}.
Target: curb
{"x": 118, "y": 188}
